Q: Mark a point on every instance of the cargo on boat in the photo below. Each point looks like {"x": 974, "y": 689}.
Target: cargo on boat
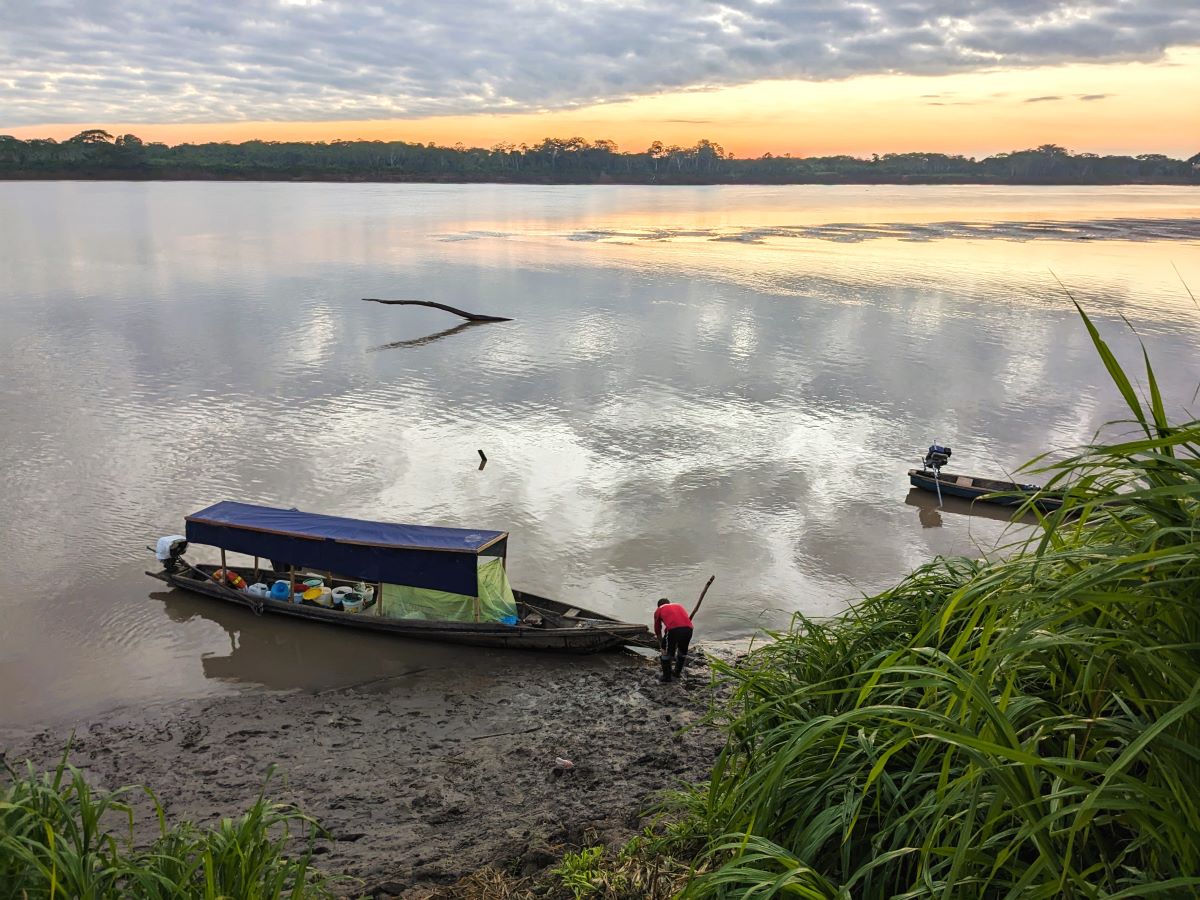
{"x": 427, "y": 582}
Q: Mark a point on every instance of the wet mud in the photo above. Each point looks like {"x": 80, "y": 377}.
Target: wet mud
{"x": 418, "y": 787}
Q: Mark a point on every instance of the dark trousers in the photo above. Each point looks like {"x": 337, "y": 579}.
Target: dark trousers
{"x": 676, "y": 648}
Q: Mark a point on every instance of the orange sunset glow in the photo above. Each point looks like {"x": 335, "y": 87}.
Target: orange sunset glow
{"x": 1102, "y": 108}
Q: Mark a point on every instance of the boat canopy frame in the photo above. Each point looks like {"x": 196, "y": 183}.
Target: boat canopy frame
{"x": 420, "y": 556}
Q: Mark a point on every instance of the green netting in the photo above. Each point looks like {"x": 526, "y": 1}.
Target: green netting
{"x": 496, "y": 599}
{"x": 495, "y": 602}
{"x": 403, "y": 602}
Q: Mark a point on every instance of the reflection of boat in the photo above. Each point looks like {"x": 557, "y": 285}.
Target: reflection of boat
{"x": 289, "y": 654}
{"x": 930, "y": 511}
{"x": 984, "y": 490}
{"x": 443, "y": 584}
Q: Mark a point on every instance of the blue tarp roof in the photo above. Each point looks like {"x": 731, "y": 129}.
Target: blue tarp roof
{"x": 294, "y": 523}
{"x": 441, "y": 559}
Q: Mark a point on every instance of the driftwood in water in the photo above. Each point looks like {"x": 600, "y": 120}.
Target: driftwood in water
{"x": 470, "y": 317}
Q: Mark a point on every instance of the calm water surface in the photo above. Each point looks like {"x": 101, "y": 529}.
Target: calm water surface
{"x": 697, "y": 380}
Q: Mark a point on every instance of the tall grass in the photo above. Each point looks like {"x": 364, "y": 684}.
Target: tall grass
{"x": 1028, "y": 727}
{"x": 62, "y": 838}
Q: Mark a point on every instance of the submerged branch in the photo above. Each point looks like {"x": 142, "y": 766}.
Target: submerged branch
{"x": 470, "y": 317}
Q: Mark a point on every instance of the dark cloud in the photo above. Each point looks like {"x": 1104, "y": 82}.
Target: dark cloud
{"x": 206, "y": 60}
{"x": 1041, "y": 99}
{"x": 1094, "y": 96}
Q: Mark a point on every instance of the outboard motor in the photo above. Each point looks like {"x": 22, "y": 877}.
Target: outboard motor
{"x": 170, "y": 550}
{"x": 937, "y": 457}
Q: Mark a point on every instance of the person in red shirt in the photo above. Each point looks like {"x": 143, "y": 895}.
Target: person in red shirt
{"x": 678, "y": 625}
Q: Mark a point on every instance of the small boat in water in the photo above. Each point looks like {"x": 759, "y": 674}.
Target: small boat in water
{"x": 930, "y": 477}
{"x": 431, "y": 583}
{"x": 985, "y": 490}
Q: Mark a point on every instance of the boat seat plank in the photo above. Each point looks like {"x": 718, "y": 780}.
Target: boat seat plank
{"x": 965, "y": 481}
{"x": 571, "y": 612}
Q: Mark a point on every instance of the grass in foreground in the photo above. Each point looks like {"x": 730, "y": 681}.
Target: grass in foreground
{"x": 59, "y": 839}
{"x": 1028, "y": 727}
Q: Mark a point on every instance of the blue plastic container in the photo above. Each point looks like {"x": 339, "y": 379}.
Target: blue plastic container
{"x": 281, "y": 590}
{"x": 508, "y": 620}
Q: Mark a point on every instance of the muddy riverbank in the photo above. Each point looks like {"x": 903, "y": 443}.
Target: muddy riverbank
{"x": 418, "y": 785}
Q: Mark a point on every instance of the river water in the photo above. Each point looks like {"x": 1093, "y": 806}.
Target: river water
{"x": 696, "y": 381}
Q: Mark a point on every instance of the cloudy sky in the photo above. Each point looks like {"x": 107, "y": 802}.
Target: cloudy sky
{"x": 801, "y": 76}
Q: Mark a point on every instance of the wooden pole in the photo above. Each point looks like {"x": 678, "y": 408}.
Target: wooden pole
{"x": 224, "y": 570}
{"x": 707, "y": 585}
{"x": 256, "y": 568}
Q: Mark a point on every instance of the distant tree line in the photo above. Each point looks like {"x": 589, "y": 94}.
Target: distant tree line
{"x": 98, "y": 154}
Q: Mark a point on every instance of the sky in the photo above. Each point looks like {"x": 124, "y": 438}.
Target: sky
{"x": 806, "y": 77}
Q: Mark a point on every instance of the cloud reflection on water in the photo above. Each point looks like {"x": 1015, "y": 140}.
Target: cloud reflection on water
{"x": 656, "y": 412}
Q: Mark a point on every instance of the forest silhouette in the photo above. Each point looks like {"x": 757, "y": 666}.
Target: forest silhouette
{"x": 96, "y": 154}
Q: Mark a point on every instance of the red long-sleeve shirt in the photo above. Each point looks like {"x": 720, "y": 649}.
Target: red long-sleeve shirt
{"x": 671, "y": 615}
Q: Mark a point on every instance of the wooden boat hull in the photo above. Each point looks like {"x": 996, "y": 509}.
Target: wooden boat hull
{"x": 568, "y": 629}
{"x": 972, "y": 487}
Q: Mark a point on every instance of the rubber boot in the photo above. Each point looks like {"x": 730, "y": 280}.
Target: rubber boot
{"x": 666, "y": 667}
{"x": 679, "y": 666}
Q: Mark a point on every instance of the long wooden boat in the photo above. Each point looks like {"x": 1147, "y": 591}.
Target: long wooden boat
{"x": 429, "y": 562}
{"x": 985, "y": 490}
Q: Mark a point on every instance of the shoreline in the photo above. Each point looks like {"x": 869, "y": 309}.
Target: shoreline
{"x": 417, "y": 787}
{"x": 612, "y": 181}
